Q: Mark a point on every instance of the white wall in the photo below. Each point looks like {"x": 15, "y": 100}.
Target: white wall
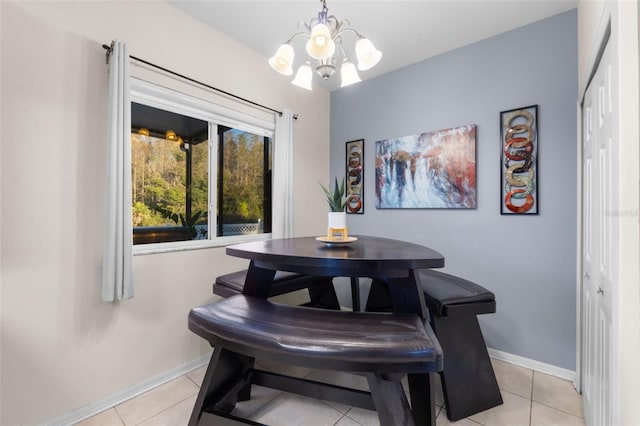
{"x": 61, "y": 347}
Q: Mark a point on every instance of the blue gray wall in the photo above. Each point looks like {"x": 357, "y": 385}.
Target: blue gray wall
{"x": 528, "y": 261}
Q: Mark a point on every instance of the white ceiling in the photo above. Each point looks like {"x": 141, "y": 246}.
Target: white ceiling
{"x": 405, "y": 31}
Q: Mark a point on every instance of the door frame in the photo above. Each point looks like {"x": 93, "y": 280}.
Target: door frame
{"x": 603, "y": 36}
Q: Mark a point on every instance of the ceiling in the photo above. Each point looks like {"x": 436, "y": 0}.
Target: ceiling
{"x": 405, "y": 31}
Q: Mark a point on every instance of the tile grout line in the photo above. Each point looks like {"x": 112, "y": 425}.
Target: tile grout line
{"x": 350, "y": 418}
{"x": 547, "y": 405}
{"x": 194, "y": 382}
{"x": 160, "y": 412}
{"x": 533, "y": 378}
{"x": 119, "y": 417}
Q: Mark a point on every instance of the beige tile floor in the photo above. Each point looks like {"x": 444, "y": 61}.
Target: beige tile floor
{"x": 530, "y": 399}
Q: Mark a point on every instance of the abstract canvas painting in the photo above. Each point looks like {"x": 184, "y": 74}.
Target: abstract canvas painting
{"x": 430, "y": 170}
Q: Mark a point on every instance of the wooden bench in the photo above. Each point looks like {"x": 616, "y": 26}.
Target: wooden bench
{"x": 383, "y": 346}
{"x": 321, "y": 291}
{"x": 468, "y": 381}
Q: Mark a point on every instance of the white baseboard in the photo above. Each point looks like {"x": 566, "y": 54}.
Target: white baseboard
{"x": 532, "y": 364}
{"x": 126, "y": 394}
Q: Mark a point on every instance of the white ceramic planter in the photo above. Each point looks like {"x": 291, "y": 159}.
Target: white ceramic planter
{"x": 337, "y": 220}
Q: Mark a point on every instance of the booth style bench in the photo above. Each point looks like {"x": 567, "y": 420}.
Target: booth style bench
{"x": 383, "y": 346}
{"x": 468, "y": 381}
{"x": 321, "y": 291}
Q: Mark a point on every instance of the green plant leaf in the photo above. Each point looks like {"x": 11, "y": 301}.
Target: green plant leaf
{"x": 336, "y": 199}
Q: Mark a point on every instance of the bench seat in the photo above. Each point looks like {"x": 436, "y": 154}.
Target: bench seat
{"x": 451, "y": 296}
{"x": 383, "y": 346}
{"x": 321, "y": 291}
{"x": 319, "y": 338}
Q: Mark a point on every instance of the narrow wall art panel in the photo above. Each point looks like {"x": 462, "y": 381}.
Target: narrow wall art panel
{"x": 355, "y": 176}
{"x": 435, "y": 170}
{"x": 519, "y": 161}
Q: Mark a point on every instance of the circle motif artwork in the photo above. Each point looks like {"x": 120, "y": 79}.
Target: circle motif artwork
{"x": 355, "y": 176}
{"x": 519, "y": 161}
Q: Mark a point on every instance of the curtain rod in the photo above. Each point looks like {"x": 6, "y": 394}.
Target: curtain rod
{"x": 109, "y": 48}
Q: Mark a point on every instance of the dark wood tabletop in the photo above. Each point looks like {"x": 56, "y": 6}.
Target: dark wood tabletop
{"x": 372, "y": 257}
{"x": 388, "y": 260}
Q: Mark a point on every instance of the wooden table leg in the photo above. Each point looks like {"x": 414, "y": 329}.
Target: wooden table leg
{"x": 258, "y": 281}
{"x": 355, "y": 293}
{"x": 407, "y": 295}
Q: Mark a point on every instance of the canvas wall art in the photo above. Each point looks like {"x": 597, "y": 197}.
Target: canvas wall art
{"x": 431, "y": 170}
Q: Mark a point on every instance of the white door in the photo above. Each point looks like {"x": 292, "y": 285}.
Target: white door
{"x": 599, "y": 238}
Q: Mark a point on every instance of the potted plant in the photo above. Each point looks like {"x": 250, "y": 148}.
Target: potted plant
{"x": 337, "y": 218}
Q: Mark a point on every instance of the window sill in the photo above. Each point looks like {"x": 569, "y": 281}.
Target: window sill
{"x": 155, "y": 248}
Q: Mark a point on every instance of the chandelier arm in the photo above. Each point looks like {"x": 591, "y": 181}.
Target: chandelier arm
{"x": 338, "y": 24}
{"x": 344, "y": 54}
{"x": 348, "y": 29}
{"x": 335, "y": 23}
{"x": 308, "y": 25}
{"x": 296, "y": 35}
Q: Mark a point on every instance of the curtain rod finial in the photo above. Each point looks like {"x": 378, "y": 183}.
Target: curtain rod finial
{"x": 109, "y": 49}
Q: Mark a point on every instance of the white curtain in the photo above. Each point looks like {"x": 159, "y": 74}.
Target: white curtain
{"x": 117, "y": 276}
{"x": 282, "y": 222}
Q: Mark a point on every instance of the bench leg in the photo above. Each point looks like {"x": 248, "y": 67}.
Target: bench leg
{"x": 223, "y": 373}
{"x": 390, "y": 401}
{"x": 421, "y": 390}
{"x": 469, "y": 384}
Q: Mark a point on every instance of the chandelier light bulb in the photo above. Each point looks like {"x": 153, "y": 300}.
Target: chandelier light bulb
{"x": 348, "y": 74}
{"x": 303, "y": 77}
{"x": 368, "y": 56}
{"x": 320, "y": 44}
{"x": 283, "y": 59}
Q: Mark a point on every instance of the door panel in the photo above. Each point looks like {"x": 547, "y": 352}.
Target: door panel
{"x": 600, "y": 238}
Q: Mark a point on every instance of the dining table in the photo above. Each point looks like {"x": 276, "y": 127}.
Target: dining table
{"x": 391, "y": 261}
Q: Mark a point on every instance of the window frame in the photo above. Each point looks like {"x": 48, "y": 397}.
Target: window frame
{"x": 144, "y": 92}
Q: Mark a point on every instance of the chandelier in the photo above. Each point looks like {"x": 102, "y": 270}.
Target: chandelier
{"x": 324, "y": 50}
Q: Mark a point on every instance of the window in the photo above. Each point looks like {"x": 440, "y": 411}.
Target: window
{"x": 244, "y": 182}
{"x": 199, "y": 172}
